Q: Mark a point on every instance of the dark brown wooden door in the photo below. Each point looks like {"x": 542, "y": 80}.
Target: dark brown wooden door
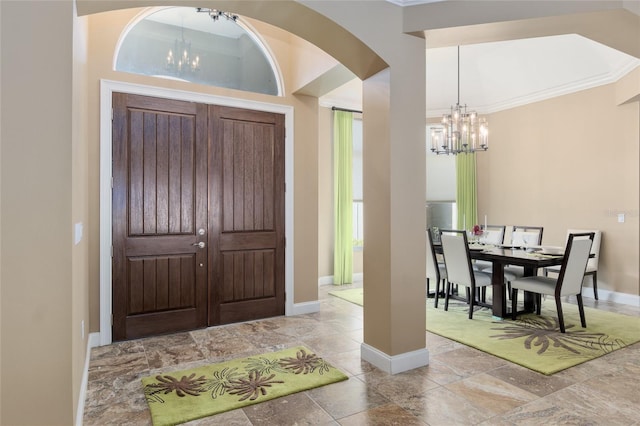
{"x": 247, "y": 214}
{"x": 159, "y": 205}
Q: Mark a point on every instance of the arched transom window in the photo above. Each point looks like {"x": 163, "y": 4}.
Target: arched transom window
{"x": 200, "y": 46}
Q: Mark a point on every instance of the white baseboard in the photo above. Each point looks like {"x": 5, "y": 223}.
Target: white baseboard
{"x": 306, "y": 308}
{"x": 92, "y": 342}
{"x": 612, "y": 296}
{"x": 397, "y": 363}
{"x": 328, "y": 279}
{"x": 587, "y": 291}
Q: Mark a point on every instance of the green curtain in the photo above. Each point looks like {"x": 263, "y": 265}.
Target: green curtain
{"x": 466, "y": 191}
{"x": 342, "y": 197}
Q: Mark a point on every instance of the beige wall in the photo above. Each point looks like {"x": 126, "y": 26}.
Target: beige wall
{"x": 0, "y": 219}
{"x": 39, "y": 337}
{"x": 569, "y": 162}
{"x": 80, "y": 206}
{"x": 325, "y": 192}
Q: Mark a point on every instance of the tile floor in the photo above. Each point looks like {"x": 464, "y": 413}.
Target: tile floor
{"x": 460, "y": 386}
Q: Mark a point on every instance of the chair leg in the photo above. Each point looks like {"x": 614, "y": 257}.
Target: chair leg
{"x": 560, "y": 317}
{"x": 595, "y": 284}
{"x": 446, "y": 296}
{"x": 514, "y": 304}
{"x": 583, "y": 321}
{"x": 435, "y": 296}
{"x": 471, "y": 300}
{"x": 538, "y": 303}
{"x": 427, "y": 287}
{"x": 509, "y": 289}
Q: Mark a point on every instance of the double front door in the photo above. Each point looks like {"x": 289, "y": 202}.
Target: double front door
{"x": 198, "y": 215}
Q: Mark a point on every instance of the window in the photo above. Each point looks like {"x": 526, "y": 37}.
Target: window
{"x": 358, "y": 228}
{"x": 185, "y": 44}
{"x": 441, "y": 208}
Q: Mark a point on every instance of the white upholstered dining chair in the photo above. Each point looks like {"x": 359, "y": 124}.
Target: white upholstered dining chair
{"x": 568, "y": 283}
{"x": 592, "y": 264}
{"x": 436, "y": 272}
{"x": 491, "y": 235}
{"x": 455, "y": 248}
{"x": 521, "y": 236}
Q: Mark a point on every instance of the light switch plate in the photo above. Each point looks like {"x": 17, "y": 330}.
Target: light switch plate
{"x": 620, "y": 217}
{"x": 77, "y": 234}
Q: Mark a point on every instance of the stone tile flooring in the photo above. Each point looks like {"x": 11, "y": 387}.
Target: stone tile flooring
{"x": 460, "y": 386}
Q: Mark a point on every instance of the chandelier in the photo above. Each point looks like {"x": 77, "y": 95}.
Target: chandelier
{"x": 181, "y": 61}
{"x": 462, "y": 131}
{"x": 216, "y": 14}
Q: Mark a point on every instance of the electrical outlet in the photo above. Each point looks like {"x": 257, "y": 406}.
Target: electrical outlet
{"x": 620, "y": 217}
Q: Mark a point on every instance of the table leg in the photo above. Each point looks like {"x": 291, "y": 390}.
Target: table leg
{"x": 497, "y": 285}
{"x": 529, "y": 298}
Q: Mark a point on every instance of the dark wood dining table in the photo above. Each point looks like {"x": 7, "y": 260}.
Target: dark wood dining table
{"x": 503, "y": 256}
{"x": 499, "y": 258}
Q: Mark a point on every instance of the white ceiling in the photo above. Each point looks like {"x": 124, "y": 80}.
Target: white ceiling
{"x": 500, "y": 75}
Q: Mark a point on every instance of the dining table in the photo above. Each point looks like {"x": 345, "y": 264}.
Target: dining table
{"x": 531, "y": 258}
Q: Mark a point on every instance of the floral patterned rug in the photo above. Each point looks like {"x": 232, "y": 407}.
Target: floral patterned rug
{"x": 532, "y": 341}
{"x": 181, "y": 396}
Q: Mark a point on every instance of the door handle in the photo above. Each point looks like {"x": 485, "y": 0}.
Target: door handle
{"x": 199, "y": 245}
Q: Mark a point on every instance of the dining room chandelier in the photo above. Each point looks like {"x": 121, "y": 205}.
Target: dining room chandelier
{"x": 180, "y": 60}
{"x": 462, "y": 131}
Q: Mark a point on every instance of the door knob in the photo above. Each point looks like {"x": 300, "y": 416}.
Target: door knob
{"x": 201, "y": 231}
{"x": 200, "y": 244}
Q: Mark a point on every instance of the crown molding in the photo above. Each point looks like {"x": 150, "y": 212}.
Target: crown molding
{"x": 552, "y": 92}
{"x": 412, "y": 2}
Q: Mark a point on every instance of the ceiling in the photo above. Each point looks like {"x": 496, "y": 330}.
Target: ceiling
{"x": 501, "y": 75}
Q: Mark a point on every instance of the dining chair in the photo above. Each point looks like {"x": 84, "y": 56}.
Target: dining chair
{"x": 455, "y": 248}
{"x": 592, "y": 264}
{"x": 568, "y": 282}
{"x": 521, "y": 236}
{"x": 436, "y": 272}
{"x": 491, "y": 235}
{"x": 526, "y": 236}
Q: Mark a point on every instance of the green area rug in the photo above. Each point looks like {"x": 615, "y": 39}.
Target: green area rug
{"x": 181, "y": 396}
{"x": 532, "y": 341}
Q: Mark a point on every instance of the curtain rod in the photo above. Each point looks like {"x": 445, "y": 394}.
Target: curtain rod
{"x": 345, "y": 109}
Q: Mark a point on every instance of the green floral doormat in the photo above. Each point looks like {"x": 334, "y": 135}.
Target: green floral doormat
{"x": 533, "y": 341}
{"x": 181, "y": 396}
